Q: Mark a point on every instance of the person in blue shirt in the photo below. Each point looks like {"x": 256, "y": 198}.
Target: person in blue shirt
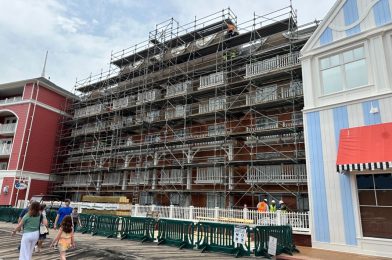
{"x": 62, "y": 212}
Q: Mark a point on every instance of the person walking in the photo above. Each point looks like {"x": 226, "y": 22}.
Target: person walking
{"x": 65, "y": 237}
{"x": 62, "y": 212}
{"x": 43, "y": 229}
{"x": 272, "y": 206}
{"x": 30, "y": 222}
{"x": 75, "y": 219}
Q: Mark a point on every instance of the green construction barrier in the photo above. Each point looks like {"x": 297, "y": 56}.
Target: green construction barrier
{"x": 176, "y": 232}
{"x": 283, "y": 234}
{"x": 138, "y": 228}
{"x": 106, "y": 226}
{"x": 218, "y": 237}
{"x": 14, "y": 215}
{"x": 87, "y": 222}
{"x": 5, "y": 213}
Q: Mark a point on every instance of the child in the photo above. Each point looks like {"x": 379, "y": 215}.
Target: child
{"x": 65, "y": 237}
{"x": 76, "y": 219}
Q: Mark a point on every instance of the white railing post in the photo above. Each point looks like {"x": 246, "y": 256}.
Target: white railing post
{"x": 171, "y": 209}
{"x": 216, "y": 213}
{"x": 278, "y": 218}
{"x": 191, "y": 212}
{"x": 135, "y": 213}
{"x": 153, "y": 207}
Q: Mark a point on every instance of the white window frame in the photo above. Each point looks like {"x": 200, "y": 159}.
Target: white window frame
{"x": 341, "y": 65}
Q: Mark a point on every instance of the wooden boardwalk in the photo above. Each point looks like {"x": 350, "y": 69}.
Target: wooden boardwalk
{"x": 94, "y": 247}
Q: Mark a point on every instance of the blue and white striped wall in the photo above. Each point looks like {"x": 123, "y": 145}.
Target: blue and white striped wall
{"x": 355, "y": 16}
{"x": 333, "y": 198}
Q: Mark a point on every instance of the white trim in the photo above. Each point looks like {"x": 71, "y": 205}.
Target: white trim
{"x": 387, "y": 94}
{"x": 360, "y": 249}
{"x": 33, "y": 175}
{"x": 363, "y": 36}
{"x": 35, "y": 102}
{"x": 360, "y": 19}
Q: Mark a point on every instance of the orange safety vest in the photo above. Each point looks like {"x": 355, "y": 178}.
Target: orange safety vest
{"x": 262, "y": 207}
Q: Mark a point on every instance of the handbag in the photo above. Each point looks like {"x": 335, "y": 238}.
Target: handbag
{"x": 43, "y": 230}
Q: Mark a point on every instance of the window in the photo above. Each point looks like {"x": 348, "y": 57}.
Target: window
{"x": 3, "y": 166}
{"x": 375, "y": 203}
{"x": 344, "y": 71}
{"x": 146, "y": 198}
{"x": 215, "y": 200}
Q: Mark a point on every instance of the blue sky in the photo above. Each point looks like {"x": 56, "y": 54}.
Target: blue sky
{"x": 80, "y": 34}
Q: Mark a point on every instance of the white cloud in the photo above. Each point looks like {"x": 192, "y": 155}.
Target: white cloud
{"x": 81, "y": 42}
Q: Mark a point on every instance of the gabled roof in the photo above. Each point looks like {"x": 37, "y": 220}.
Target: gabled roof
{"x": 348, "y": 18}
{"x": 314, "y": 39}
{"x": 43, "y": 81}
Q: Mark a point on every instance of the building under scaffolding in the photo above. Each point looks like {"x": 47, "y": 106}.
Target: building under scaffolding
{"x": 203, "y": 114}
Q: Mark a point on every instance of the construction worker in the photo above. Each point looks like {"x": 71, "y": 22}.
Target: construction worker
{"x": 262, "y": 206}
{"x": 272, "y": 207}
{"x": 283, "y": 206}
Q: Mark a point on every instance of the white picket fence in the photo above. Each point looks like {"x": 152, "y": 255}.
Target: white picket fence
{"x": 298, "y": 220}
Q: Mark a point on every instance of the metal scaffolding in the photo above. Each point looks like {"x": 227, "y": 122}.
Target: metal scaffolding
{"x": 212, "y": 106}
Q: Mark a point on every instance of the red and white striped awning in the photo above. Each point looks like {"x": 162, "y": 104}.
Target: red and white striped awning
{"x": 365, "y": 148}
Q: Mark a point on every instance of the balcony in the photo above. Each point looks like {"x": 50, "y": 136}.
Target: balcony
{"x": 111, "y": 179}
{"x": 7, "y": 101}
{"x": 5, "y": 149}
{"x": 295, "y": 173}
{"x": 124, "y": 102}
{"x": 178, "y": 89}
{"x": 89, "y": 111}
{"x": 140, "y": 178}
{"x": 210, "y": 175}
{"x": 7, "y": 129}
{"x": 212, "y": 80}
{"x": 174, "y": 176}
{"x": 273, "y": 64}
{"x": 77, "y": 181}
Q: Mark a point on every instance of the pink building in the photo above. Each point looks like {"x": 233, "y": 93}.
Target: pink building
{"x": 30, "y": 112}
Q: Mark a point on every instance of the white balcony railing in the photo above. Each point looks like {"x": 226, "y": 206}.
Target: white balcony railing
{"x": 212, "y": 80}
{"x": 298, "y": 220}
{"x": 275, "y": 63}
{"x": 209, "y": 175}
{"x": 148, "y": 96}
{"x": 89, "y": 111}
{"x": 10, "y": 100}
{"x": 124, "y": 102}
{"x": 5, "y": 149}
{"x": 77, "y": 181}
{"x": 178, "y": 89}
{"x": 140, "y": 178}
{"x": 173, "y": 176}
{"x": 292, "y": 173}
{"x": 7, "y": 128}
{"x": 111, "y": 179}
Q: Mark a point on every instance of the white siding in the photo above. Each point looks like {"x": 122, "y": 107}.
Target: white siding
{"x": 332, "y": 182}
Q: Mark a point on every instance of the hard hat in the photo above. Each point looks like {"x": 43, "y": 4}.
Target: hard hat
{"x": 273, "y": 201}
{"x": 265, "y": 200}
{"x": 281, "y": 202}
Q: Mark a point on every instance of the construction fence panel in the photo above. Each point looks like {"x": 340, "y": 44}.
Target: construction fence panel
{"x": 176, "y": 232}
{"x": 283, "y": 234}
{"x": 88, "y": 223}
{"x": 218, "y": 237}
{"x": 106, "y": 226}
{"x": 138, "y": 228}
{"x": 5, "y": 213}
